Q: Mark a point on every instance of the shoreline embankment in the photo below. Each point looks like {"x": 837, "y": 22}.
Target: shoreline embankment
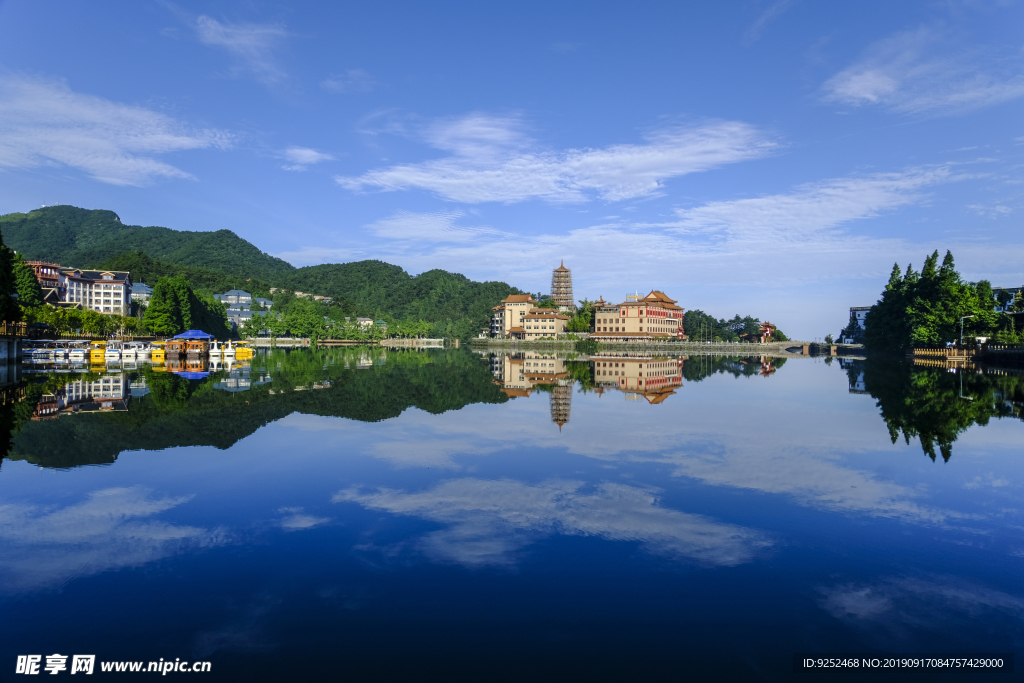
{"x": 788, "y": 349}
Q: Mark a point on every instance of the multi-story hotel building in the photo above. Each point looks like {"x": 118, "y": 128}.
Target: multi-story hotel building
{"x": 518, "y": 317}
{"x": 654, "y": 316}
{"x": 106, "y": 291}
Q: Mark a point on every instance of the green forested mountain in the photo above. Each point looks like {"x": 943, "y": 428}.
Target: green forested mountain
{"x": 150, "y": 270}
{"x": 459, "y": 304}
{"x": 79, "y": 237}
{"x": 221, "y": 260}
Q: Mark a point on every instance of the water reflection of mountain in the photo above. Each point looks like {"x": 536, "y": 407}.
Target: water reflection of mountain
{"x": 357, "y": 383}
{"x": 934, "y": 405}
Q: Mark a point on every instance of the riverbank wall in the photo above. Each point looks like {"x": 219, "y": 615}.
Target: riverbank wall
{"x": 790, "y": 348}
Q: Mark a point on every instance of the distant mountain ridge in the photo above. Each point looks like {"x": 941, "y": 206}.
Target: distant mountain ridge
{"x": 71, "y": 236}
{"x": 83, "y": 237}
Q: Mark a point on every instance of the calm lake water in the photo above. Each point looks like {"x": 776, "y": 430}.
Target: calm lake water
{"x": 358, "y": 514}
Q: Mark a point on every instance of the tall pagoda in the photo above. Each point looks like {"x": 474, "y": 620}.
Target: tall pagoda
{"x": 561, "y": 288}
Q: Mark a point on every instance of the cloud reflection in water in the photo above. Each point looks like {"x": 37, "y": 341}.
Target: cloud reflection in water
{"x": 109, "y": 530}
{"x": 487, "y": 522}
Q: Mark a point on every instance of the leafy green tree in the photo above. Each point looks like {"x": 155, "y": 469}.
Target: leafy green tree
{"x": 1004, "y": 297}
{"x": 927, "y": 309}
{"x": 9, "y": 309}
{"x": 174, "y": 307}
{"x": 30, "y": 294}
{"x": 853, "y": 330}
{"x": 168, "y": 312}
{"x": 583, "y": 320}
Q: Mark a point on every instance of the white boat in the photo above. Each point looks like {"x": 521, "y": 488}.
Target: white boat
{"x": 39, "y": 354}
{"x": 60, "y": 352}
{"x": 79, "y": 354}
{"x": 134, "y": 351}
{"x": 219, "y": 348}
{"x": 113, "y": 352}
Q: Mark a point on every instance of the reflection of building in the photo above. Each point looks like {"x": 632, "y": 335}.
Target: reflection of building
{"x": 239, "y": 376}
{"x": 519, "y": 374}
{"x": 561, "y": 288}
{"x": 108, "y": 393}
{"x": 655, "y": 379}
{"x": 561, "y": 403}
{"x": 367, "y": 359}
{"x": 654, "y": 316}
{"x": 856, "y": 377}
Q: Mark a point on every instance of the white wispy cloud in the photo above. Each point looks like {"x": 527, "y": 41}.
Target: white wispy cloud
{"x": 898, "y": 609}
{"x": 487, "y": 522}
{"x": 811, "y": 209}
{"x": 805, "y": 234}
{"x": 824, "y": 233}
{"x": 924, "y": 71}
{"x": 349, "y": 81}
{"x": 296, "y": 520}
{"x": 990, "y": 210}
{"x": 493, "y": 160}
{"x": 43, "y": 122}
{"x": 299, "y": 158}
{"x": 253, "y": 46}
{"x": 439, "y": 226}
{"x": 770, "y": 14}
{"x": 111, "y": 529}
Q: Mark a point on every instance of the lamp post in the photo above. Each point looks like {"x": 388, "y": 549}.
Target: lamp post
{"x": 962, "y": 328}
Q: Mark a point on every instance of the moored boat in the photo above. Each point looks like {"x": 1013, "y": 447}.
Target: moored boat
{"x": 243, "y": 351}
{"x": 134, "y": 351}
{"x": 78, "y": 352}
{"x": 174, "y": 348}
{"x": 219, "y": 348}
{"x": 112, "y": 353}
{"x": 97, "y": 352}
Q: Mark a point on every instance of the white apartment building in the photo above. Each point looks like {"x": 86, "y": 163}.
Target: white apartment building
{"x": 106, "y": 291}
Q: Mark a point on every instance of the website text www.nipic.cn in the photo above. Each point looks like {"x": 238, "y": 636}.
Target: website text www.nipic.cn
{"x": 86, "y": 664}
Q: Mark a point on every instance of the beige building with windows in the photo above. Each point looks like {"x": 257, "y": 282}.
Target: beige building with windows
{"x": 518, "y": 317}
{"x": 654, "y": 316}
{"x": 105, "y": 291}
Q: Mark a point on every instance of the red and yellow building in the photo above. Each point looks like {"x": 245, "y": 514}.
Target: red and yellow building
{"x": 654, "y": 316}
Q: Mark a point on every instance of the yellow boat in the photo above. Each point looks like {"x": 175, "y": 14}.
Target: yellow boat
{"x": 243, "y": 351}
{"x": 97, "y": 352}
{"x": 158, "y": 353}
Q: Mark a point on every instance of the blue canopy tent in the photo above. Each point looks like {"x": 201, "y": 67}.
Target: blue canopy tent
{"x": 193, "y": 375}
{"x": 194, "y": 334}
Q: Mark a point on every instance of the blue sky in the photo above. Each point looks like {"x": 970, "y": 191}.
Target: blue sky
{"x": 772, "y": 157}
